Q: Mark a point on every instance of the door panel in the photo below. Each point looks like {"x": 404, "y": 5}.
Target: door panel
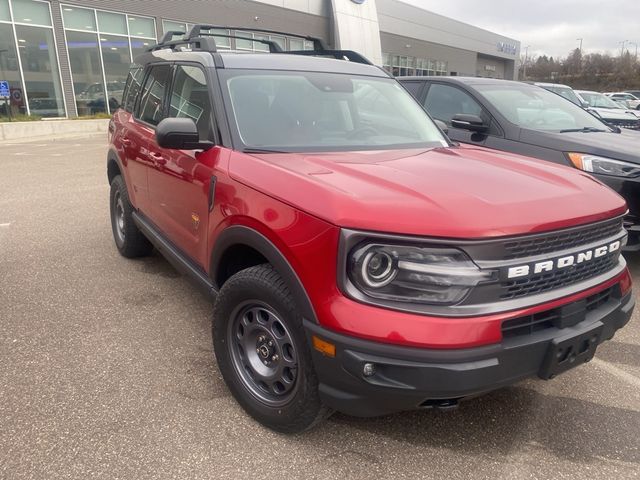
{"x": 179, "y": 180}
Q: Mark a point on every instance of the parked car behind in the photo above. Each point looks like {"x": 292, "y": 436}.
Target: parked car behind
{"x": 529, "y": 120}
{"x": 627, "y": 99}
{"x": 635, "y": 93}
{"x": 610, "y": 111}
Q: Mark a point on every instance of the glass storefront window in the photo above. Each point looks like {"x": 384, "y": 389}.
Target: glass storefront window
{"x": 170, "y": 25}
{"x": 116, "y": 58}
{"x": 86, "y": 70}
{"x": 242, "y": 44}
{"x": 222, "y": 42}
{"x": 139, "y": 45}
{"x": 296, "y": 44}
{"x": 142, "y": 27}
{"x": 31, "y": 11}
{"x": 260, "y": 47}
{"x": 5, "y": 14}
{"x": 115, "y": 23}
{"x": 79, "y": 18}
{"x": 40, "y": 69}
{"x": 10, "y": 72}
{"x": 280, "y": 41}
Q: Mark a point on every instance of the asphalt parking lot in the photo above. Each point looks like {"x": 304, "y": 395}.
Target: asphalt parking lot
{"x": 106, "y": 370}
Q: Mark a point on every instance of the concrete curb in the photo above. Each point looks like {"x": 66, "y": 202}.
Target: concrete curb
{"x": 26, "y": 131}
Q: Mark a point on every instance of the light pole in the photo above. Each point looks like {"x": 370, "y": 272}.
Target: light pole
{"x": 635, "y": 45}
{"x": 623, "y": 43}
{"x": 580, "y": 44}
{"x": 526, "y": 56}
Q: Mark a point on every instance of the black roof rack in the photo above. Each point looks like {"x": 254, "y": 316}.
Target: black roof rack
{"x": 201, "y": 37}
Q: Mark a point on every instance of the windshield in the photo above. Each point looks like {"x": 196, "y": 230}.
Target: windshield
{"x": 538, "y": 109}
{"x": 311, "y": 111}
{"x": 598, "y": 100}
{"x": 565, "y": 92}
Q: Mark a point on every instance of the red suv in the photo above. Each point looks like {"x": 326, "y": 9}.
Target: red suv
{"x": 359, "y": 260}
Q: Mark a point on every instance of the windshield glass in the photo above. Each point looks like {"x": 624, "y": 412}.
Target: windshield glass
{"x": 565, "y": 92}
{"x": 311, "y": 111}
{"x": 538, "y": 109}
{"x": 598, "y": 100}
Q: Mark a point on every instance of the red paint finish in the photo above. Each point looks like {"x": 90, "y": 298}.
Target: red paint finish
{"x": 465, "y": 192}
{"x": 300, "y": 202}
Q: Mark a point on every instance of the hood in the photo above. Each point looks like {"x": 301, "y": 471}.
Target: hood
{"x": 614, "y": 113}
{"x": 619, "y": 146}
{"x": 462, "y": 192}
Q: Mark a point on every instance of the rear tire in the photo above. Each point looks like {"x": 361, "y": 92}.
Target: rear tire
{"x": 130, "y": 241}
{"x": 262, "y": 351}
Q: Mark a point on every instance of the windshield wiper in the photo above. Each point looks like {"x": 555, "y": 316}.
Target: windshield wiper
{"x": 262, "y": 150}
{"x": 583, "y": 129}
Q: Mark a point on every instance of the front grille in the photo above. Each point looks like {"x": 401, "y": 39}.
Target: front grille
{"x": 631, "y": 124}
{"x": 549, "y": 318}
{"x": 562, "y": 240}
{"x": 543, "y": 282}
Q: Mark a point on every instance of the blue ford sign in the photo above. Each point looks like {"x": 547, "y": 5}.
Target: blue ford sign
{"x": 359, "y": 2}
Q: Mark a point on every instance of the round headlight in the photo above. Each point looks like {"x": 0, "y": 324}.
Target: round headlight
{"x": 378, "y": 269}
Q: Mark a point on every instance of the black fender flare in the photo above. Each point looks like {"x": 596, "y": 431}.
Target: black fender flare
{"x": 112, "y": 156}
{"x": 241, "y": 235}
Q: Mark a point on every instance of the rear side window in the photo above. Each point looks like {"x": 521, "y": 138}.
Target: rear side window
{"x": 413, "y": 87}
{"x": 134, "y": 83}
{"x": 151, "y": 109}
{"x": 190, "y": 98}
{"x": 444, "y": 102}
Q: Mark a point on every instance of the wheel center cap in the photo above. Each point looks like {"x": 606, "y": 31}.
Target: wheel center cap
{"x": 264, "y": 351}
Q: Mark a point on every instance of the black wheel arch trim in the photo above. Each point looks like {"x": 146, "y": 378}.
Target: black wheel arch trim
{"x": 242, "y": 235}
{"x": 112, "y": 156}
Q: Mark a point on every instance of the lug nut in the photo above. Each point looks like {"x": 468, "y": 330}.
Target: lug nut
{"x": 275, "y": 357}
{"x": 271, "y": 343}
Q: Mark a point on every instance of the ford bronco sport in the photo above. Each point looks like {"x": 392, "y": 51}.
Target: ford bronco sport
{"x": 359, "y": 260}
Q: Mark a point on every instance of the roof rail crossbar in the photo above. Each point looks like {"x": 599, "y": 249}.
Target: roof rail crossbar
{"x": 199, "y": 43}
{"x": 168, "y": 36}
{"x": 273, "y": 46}
{"x": 337, "y": 54}
{"x": 201, "y": 37}
{"x": 318, "y": 44}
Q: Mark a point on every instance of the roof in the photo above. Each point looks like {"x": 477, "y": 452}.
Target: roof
{"x": 465, "y": 80}
{"x": 284, "y": 61}
{"x": 262, "y": 61}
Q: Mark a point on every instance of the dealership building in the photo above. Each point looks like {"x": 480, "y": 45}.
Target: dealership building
{"x": 60, "y": 57}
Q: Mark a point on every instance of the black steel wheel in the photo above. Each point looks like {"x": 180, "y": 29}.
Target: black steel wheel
{"x": 262, "y": 351}
{"x": 129, "y": 240}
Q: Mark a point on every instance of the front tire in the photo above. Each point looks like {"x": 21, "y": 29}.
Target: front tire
{"x": 262, "y": 351}
{"x": 130, "y": 241}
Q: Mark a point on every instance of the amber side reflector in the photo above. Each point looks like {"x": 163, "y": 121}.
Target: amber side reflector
{"x": 324, "y": 347}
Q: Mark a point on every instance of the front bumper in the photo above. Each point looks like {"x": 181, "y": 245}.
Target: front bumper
{"x": 407, "y": 378}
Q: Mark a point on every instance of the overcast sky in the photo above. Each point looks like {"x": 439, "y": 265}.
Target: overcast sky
{"x": 550, "y": 26}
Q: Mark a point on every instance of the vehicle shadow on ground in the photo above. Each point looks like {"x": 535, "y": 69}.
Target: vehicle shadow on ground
{"x": 514, "y": 419}
{"x": 620, "y": 352}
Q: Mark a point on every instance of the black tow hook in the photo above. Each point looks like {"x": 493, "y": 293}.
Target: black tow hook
{"x": 440, "y": 404}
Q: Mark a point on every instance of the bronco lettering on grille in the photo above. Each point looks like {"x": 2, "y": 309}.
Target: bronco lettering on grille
{"x": 563, "y": 262}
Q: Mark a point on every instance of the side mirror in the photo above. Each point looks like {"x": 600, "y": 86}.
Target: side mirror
{"x": 469, "y": 122}
{"x": 180, "y": 134}
{"x": 585, "y": 104}
{"x": 442, "y": 126}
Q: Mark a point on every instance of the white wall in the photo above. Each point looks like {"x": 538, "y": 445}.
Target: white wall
{"x": 356, "y": 28}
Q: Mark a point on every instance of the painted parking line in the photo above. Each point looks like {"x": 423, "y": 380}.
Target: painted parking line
{"x": 4, "y": 225}
{"x": 618, "y": 372}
